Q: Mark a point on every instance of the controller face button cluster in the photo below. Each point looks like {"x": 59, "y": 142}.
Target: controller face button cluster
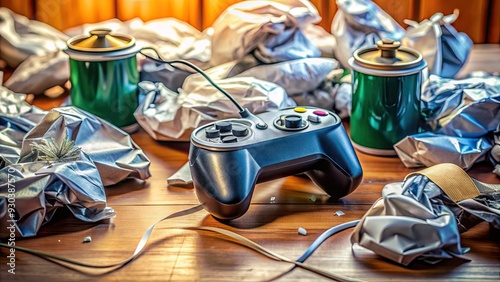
{"x": 330, "y": 161}
{"x": 290, "y": 122}
{"x": 225, "y": 132}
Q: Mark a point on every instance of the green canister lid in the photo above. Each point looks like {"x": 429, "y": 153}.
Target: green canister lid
{"x": 102, "y": 45}
{"x": 387, "y": 58}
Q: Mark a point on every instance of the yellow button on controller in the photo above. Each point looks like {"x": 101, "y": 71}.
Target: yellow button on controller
{"x": 300, "y": 109}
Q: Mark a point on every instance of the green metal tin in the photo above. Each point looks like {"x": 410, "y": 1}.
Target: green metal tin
{"x": 385, "y": 96}
{"x": 104, "y": 76}
{"x": 107, "y": 89}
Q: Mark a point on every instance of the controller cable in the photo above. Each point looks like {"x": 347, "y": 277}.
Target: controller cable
{"x": 242, "y": 111}
{"x": 73, "y": 264}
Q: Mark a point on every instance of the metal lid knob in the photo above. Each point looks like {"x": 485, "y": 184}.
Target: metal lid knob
{"x": 100, "y": 32}
{"x": 388, "y": 47}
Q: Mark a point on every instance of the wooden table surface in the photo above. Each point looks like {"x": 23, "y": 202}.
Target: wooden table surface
{"x": 179, "y": 254}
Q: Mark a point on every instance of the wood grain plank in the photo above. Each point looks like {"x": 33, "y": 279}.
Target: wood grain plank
{"x": 176, "y": 254}
{"x": 485, "y": 57}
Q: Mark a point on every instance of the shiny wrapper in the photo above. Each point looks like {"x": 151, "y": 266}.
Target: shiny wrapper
{"x": 16, "y": 113}
{"x": 272, "y": 30}
{"x": 113, "y": 151}
{"x": 427, "y": 149}
{"x": 31, "y": 193}
{"x": 459, "y": 117}
{"x": 108, "y": 156}
{"x": 361, "y": 23}
{"x": 39, "y": 73}
{"x": 495, "y": 151}
{"x": 444, "y": 49}
{"x": 416, "y": 219}
{"x": 466, "y": 108}
{"x": 295, "y": 76}
{"x": 21, "y": 37}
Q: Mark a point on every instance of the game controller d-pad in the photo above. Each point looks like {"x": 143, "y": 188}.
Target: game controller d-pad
{"x": 226, "y": 132}
{"x": 228, "y": 158}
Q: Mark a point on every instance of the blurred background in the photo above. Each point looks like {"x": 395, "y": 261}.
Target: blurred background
{"x": 480, "y": 19}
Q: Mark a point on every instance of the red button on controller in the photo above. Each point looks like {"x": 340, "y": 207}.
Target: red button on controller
{"x": 320, "y": 113}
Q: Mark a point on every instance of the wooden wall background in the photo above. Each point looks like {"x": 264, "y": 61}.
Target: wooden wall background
{"x": 480, "y": 19}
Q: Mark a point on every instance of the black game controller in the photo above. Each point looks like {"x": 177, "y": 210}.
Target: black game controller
{"x": 227, "y": 158}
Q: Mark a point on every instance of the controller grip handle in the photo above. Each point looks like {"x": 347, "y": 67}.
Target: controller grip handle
{"x": 224, "y": 191}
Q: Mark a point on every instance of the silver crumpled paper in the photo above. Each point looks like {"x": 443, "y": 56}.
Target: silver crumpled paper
{"x": 32, "y": 189}
{"x": 444, "y": 49}
{"x": 495, "y": 151}
{"x": 15, "y": 111}
{"x": 21, "y": 38}
{"x": 174, "y": 39}
{"x": 361, "y": 23}
{"x": 167, "y": 115}
{"x": 459, "y": 118}
{"x": 272, "y": 30}
{"x": 295, "y": 76}
{"x": 417, "y": 220}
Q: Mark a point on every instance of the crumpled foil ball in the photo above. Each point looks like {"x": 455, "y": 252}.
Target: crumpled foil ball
{"x": 361, "y": 23}
{"x": 31, "y": 192}
{"x": 460, "y": 116}
{"x": 495, "y": 151}
{"x": 33, "y": 188}
{"x": 417, "y": 220}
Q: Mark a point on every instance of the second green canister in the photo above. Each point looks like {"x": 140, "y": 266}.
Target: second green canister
{"x": 386, "y": 83}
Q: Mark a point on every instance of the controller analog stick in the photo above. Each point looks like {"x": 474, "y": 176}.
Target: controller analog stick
{"x": 293, "y": 121}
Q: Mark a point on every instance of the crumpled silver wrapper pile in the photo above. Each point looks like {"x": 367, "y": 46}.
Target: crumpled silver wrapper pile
{"x": 270, "y": 49}
{"x": 276, "y": 57}
{"x": 417, "y": 220}
{"x": 32, "y": 189}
